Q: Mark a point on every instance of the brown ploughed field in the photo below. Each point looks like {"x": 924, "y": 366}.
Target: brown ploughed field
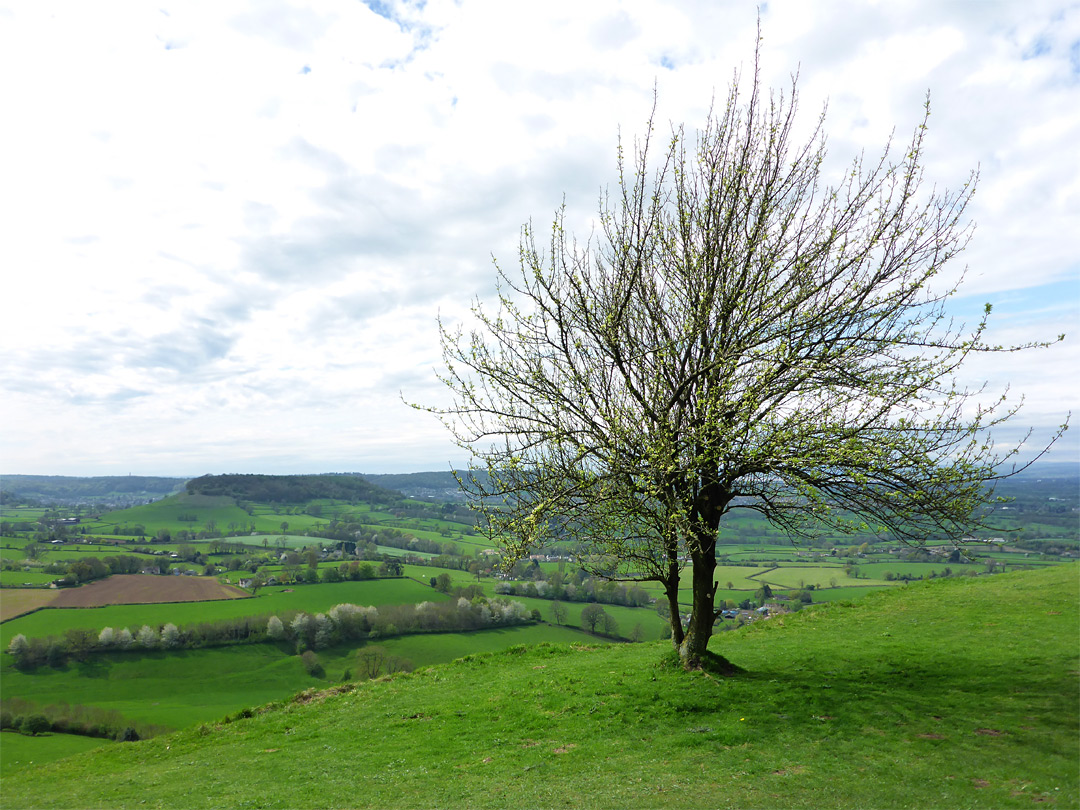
{"x": 135, "y": 589}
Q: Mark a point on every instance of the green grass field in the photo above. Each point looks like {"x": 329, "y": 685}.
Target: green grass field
{"x": 166, "y": 514}
{"x": 179, "y": 689}
{"x": 652, "y": 625}
{"x": 309, "y": 598}
{"x": 877, "y": 570}
{"x": 274, "y": 541}
{"x": 19, "y": 751}
{"x": 439, "y": 648}
{"x": 11, "y": 578}
{"x": 791, "y": 576}
{"x": 946, "y": 694}
{"x": 848, "y": 593}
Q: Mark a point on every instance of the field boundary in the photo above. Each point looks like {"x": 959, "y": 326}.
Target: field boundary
{"x": 754, "y": 576}
{"x": 27, "y": 613}
{"x": 127, "y": 604}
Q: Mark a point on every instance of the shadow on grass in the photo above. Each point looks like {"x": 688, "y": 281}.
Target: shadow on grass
{"x": 93, "y": 667}
{"x": 955, "y": 697}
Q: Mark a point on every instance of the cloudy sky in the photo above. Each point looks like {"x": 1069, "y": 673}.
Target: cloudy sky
{"x": 227, "y": 227}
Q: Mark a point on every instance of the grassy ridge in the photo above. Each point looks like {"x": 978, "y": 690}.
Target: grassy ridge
{"x": 951, "y": 693}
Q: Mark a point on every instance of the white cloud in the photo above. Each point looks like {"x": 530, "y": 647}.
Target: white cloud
{"x": 229, "y": 226}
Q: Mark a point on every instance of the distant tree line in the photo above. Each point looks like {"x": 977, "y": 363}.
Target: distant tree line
{"x": 577, "y": 587}
{"x": 17, "y": 714}
{"x": 342, "y": 623}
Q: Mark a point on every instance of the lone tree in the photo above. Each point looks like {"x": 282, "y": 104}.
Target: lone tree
{"x": 738, "y": 334}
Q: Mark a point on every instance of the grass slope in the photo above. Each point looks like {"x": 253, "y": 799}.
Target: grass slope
{"x": 951, "y": 693}
{"x": 18, "y": 750}
{"x": 183, "y": 688}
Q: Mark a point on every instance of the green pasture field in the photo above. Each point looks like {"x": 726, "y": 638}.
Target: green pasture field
{"x": 187, "y": 687}
{"x": 851, "y": 593}
{"x": 174, "y": 689}
{"x": 819, "y": 577}
{"x": 234, "y": 577}
{"x": 765, "y": 548}
{"x": 15, "y": 545}
{"x": 432, "y": 524}
{"x": 788, "y": 579}
{"x": 685, "y": 597}
{"x": 424, "y": 534}
{"x": 402, "y": 552}
{"x": 366, "y": 514}
{"x": 268, "y": 520}
{"x": 165, "y": 514}
{"x": 1011, "y": 524}
{"x": 762, "y": 556}
{"x": 13, "y": 578}
{"x": 470, "y": 544}
{"x": 957, "y": 693}
{"x": 1060, "y": 538}
{"x": 877, "y": 570}
{"x": 463, "y": 578}
{"x": 739, "y": 576}
{"x": 19, "y": 514}
{"x": 653, "y": 626}
{"x": 627, "y": 617}
{"x": 273, "y": 541}
{"x": 72, "y": 553}
{"x": 19, "y": 750}
{"x": 276, "y": 599}
{"x": 853, "y": 589}
{"x": 423, "y": 573}
{"x": 1017, "y": 558}
{"x": 427, "y": 649}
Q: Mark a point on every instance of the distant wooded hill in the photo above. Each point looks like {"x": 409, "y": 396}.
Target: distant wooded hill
{"x": 112, "y": 488}
{"x": 439, "y": 486}
{"x": 292, "y": 488}
{"x": 130, "y": 489}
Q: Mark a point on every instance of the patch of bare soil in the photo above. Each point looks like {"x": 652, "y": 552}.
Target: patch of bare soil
{"x": 143, "y": 589}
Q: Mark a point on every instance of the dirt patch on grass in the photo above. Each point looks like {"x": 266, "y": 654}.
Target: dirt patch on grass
{"x": 144, "y": 589}
{"x": 17, "y": 601}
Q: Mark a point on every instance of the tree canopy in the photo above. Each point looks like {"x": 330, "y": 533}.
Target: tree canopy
{"x": 739, "y": 334}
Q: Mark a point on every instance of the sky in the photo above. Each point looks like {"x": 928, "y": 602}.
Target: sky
{"x": 228, "y": 227}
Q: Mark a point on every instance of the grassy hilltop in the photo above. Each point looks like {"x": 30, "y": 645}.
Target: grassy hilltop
{"x": 950, "y": 693}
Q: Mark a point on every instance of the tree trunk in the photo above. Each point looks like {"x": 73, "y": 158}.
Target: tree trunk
{"x": 696, "y": 641}
{"x": 693, "y": 651}
{"x": 675, "y": 618}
